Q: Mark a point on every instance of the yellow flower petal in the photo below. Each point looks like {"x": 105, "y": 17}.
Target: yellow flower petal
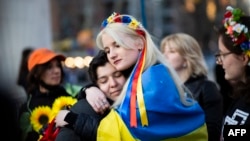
{"x": 62, "y": 102}
{"x": 40, "y": 116}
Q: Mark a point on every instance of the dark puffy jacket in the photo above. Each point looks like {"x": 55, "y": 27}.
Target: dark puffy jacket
{"x": 36, "y": 99}
{"x": 68, "y": 133}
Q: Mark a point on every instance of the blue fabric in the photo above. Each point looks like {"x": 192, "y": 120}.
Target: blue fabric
{"x": 167, "y": 116}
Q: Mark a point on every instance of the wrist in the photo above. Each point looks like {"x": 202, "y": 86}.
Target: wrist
{"x": 70, "y": 118}
{"x": 82, "y": 93}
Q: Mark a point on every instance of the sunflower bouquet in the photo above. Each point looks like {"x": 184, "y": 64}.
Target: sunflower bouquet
{"x": 43, "y": 116}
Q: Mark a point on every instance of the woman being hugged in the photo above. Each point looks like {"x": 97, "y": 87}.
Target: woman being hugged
{"x": 234, "y": 56}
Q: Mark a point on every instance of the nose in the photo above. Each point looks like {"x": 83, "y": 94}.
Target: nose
{"x": 112, "y": 82}
{"x": 56, "y": 69}
{"x": 166, "y": 55}
{"x": 218, "y": 60}
{"x": 112, "y": 54}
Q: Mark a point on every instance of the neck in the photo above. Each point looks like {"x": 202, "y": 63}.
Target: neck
{"x": 127, "y": 72}
{"x": 45, "y": 88}
{"x": 183, "y": 74}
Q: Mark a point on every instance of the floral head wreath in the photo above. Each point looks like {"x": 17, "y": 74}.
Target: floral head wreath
{"x": 236, "y": 30}
{"x": 125, "y": 19}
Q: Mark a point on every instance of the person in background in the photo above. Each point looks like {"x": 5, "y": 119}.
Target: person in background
{"x": 85, "y": 41}
{"x": 152, "y": 99}
{"x": 234, "y": 57}
{"x": 9, "y": 117}
{"x": 109, "y": 80}
{"x": 23, "y": 68}
{"x": 225, "y": 87}
{"x": 184, "y": 53}
{"x": 44, "y": 87}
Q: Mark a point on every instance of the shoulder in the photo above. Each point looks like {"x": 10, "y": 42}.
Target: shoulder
{"x": 201, "y": 86}
{"x": 156, "y": 70}
{"x": 209, "y": 84}
{"x": 67, "y": 134}
{"x": 210, "y": 90}
{"x": 61, "y": 91}
{"x": 203, "y": 82}
{"x": 82, "y": 106}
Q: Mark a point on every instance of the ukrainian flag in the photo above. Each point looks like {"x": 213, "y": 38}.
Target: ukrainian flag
{"x": 152, "y": 110}
{"x": 159, "y": 113}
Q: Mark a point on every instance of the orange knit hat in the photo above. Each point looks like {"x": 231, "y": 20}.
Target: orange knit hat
{"x": 42, "y": 56}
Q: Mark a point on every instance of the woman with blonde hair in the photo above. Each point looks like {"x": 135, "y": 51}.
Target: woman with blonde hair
{"x": 184, "y": 53}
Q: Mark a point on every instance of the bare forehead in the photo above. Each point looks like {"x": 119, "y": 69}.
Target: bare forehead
{"x": 105, "y": 70}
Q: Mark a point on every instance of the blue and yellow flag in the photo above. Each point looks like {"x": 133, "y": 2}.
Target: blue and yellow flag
{"x": 152, "y": 110}
{"x": 160, "y": 115}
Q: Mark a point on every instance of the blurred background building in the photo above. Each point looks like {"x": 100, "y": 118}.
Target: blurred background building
{"x": 70, "y": 27}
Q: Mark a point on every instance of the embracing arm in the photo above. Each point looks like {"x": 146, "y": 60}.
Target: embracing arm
{"x": 83, "y": 124}
{"x": 96, "y": 99}
{"x": 86, "y": 126}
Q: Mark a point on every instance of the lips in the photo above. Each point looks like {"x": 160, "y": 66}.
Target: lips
{"x": 56, "y": 78}
{"x": 116, "y": 62}
{"x": 117, "y": 92}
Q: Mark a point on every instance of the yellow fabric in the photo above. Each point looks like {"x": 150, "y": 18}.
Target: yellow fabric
{"x": 197, "y": 135}
{"x": 112, "y": 128}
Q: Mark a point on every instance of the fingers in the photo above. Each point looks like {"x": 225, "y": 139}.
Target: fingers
{"x": 101, "y": 105}
{"x": 59, "y": 119}
{"x": 97, "y": 99}
{"x": 104, "y": 103}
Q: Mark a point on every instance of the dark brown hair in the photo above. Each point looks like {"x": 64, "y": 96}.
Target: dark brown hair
{"x": 239, "y": 88}
{"x": 34, "y": 76}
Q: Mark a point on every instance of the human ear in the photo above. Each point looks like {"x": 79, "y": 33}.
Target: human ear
{"x": 139, "y": 43}
{"x": 245, "y": 59}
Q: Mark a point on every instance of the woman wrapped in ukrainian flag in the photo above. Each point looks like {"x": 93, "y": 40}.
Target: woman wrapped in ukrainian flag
{"x": 153, "y": 105}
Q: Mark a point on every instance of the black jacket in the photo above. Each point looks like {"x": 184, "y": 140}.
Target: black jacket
{"x": 208, "y": 96}
{"x": 238, "y": 112}
{"x": 69, "y": 134}
{"x": 83, "y": 121}
{"x": 34, "y": 100}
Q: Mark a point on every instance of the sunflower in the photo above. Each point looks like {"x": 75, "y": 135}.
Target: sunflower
{"x": 62, "y": 102}
{"x": 40, "y": 116}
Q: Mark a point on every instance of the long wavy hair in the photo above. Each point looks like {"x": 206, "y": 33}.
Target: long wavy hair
{"x": 190, "y": 50}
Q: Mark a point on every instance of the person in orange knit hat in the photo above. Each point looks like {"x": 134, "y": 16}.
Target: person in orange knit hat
{"x": 44, "y": 87}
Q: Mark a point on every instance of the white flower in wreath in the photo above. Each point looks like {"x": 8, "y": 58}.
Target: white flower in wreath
{"x": 238, "y": 28}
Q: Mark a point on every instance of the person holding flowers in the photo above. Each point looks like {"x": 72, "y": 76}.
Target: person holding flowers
{"x": 46, "y": 96}
{"x": 234, "y": 57}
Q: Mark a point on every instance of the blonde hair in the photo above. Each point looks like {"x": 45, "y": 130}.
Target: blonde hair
{"x": 189, "y": 49}
{"x": 153, "y": 54}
